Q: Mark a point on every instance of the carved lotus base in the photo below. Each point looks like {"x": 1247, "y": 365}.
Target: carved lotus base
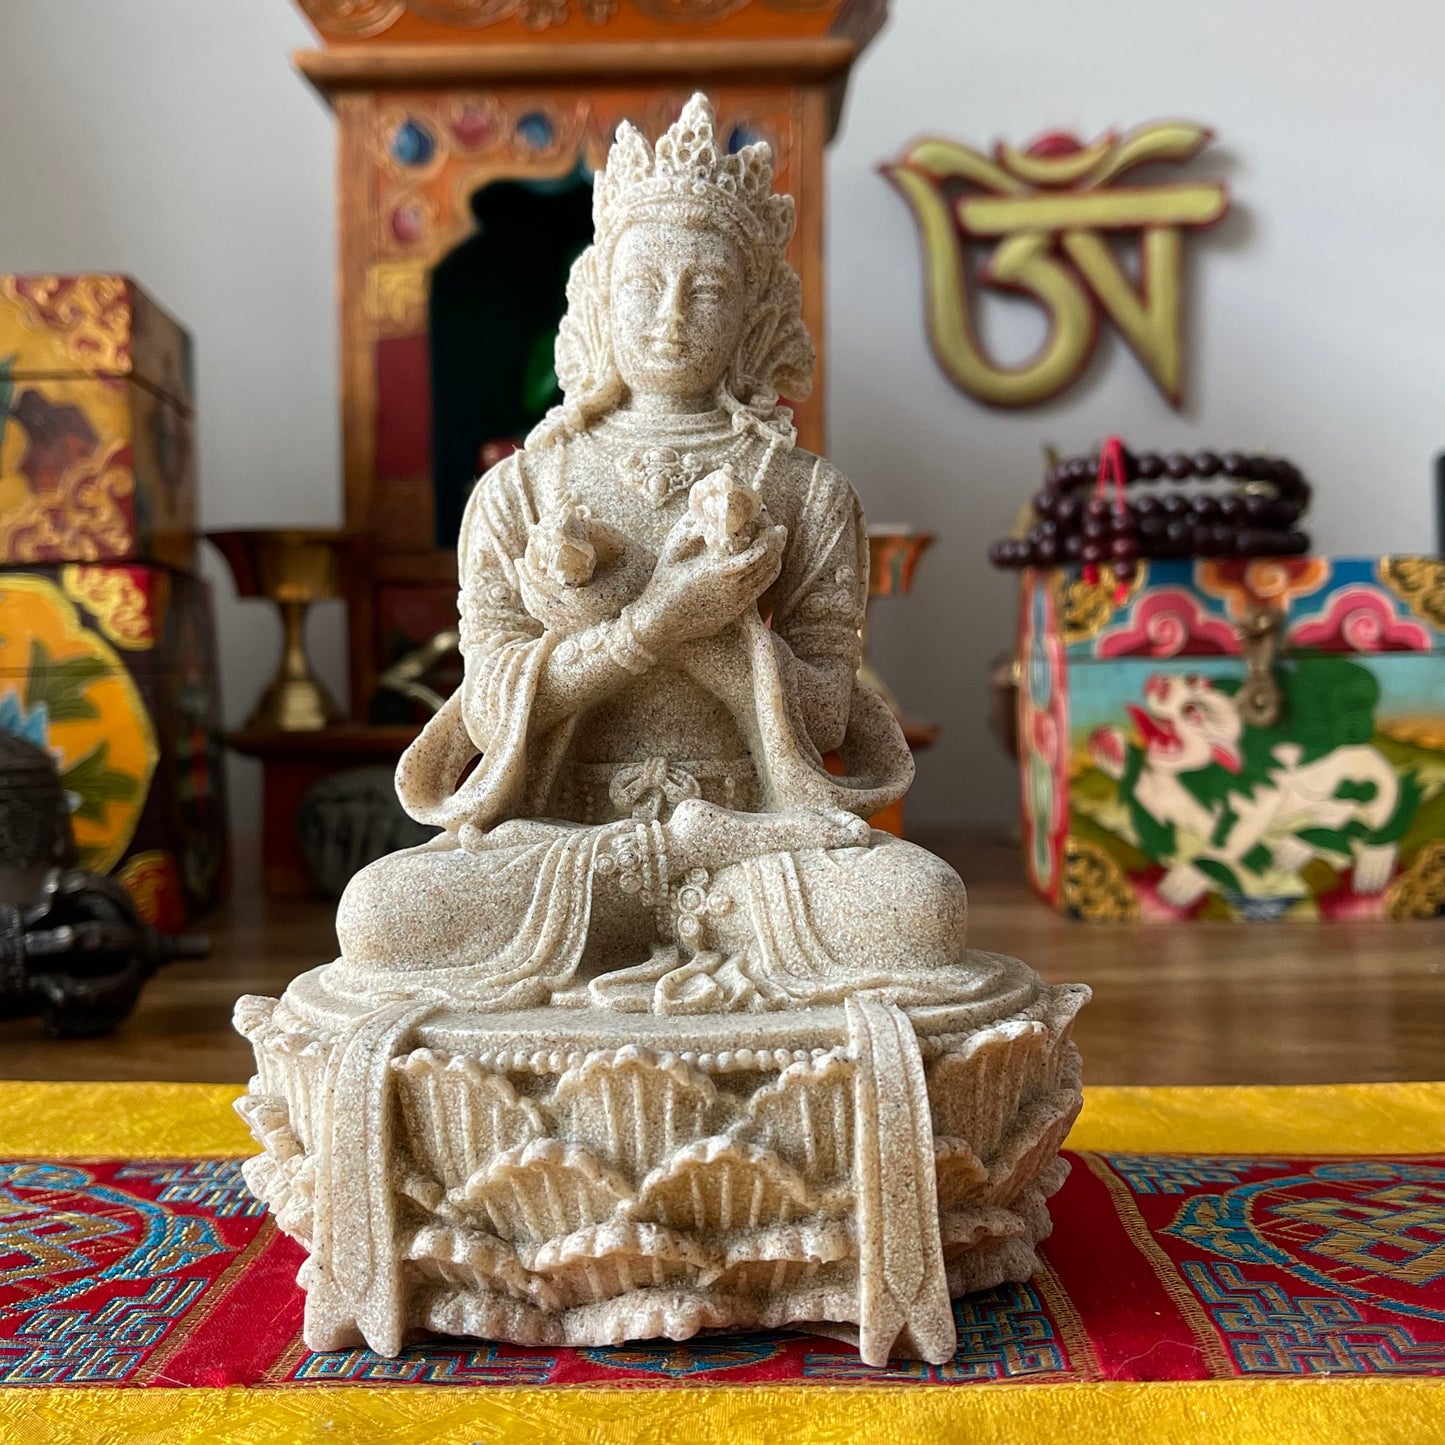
{"x": 567, "y": 1177}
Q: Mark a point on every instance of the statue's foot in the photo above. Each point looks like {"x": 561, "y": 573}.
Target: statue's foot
{"x": 704, "y": 835}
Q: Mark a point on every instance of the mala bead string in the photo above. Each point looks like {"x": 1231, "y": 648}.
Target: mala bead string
{"x": 1257, "y": 519}
{"x": 1122, "y": 548}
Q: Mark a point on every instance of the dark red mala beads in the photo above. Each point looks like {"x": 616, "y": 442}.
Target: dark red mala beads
{"x": 1256, "y": 519}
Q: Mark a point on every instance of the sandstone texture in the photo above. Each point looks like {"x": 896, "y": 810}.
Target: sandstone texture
{"x": 656, "y": 1034}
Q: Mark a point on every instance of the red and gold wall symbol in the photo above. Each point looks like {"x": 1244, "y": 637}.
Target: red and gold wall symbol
{"x": 1043, "y": 219}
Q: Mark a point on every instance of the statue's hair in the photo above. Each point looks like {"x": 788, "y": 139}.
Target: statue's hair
{"x": 687, "y": 180}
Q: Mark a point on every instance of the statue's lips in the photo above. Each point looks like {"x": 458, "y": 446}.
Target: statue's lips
{"x": 1158, "y": 733}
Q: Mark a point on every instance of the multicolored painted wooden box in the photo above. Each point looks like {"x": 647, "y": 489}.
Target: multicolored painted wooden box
{"x": 112, "y": 668}
{"x": 97, "y": 460}
{"x": 1148, "y": 791}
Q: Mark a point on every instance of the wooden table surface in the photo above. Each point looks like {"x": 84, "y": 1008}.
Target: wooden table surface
{"x": 1196, "y": 1003}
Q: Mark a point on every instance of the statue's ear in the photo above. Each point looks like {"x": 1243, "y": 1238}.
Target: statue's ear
{"x": 757, "y": 343}
{"x": 791, "y": 361}
{"x": 581, "y": 352}
{"x": 777, "y": 352}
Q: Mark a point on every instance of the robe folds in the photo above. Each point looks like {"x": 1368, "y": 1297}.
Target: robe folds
{"x": 816, "y": 612}
{"x": 497, "y": 910}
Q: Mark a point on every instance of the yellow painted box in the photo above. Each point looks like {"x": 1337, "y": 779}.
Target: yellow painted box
{"x": 97, "y": 448}
{"x": 111, "y": 668}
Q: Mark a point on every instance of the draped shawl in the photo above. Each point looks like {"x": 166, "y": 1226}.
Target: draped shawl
{"x": 816, "y": 610}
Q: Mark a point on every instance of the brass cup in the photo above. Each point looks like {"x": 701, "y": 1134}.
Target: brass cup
{"x": 293, "y": 567}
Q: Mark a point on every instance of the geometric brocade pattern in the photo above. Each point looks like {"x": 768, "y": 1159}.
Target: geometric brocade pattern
{"x": 1004, "y": 1334}
{"x": 1272, "y": 1332}
{"x": 165, "y": 1273}
{"x": 68, "y": 1345}
{"x": 215, "y": 1185}
{"x": 1177, "y": 1173}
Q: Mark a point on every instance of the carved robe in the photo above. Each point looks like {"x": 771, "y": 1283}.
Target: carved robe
{"x": 816, "y": 611}
{"x": 529, "y": 830}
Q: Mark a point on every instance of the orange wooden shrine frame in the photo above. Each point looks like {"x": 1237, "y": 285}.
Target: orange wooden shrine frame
{"x": 521, "y": 89}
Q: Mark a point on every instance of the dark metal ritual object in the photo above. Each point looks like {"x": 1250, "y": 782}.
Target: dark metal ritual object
{"x": 72, "y": 946}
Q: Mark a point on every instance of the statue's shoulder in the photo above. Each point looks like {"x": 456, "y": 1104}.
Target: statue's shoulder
{"x": 501, "y": 479}
{"x": 806, "y": 482}
{"x": 501, "y": 500}
{"x": 532, "y": 479}
{"x": 804, "y": 470}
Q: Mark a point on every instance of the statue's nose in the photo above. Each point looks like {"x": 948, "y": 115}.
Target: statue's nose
{"x": 668, "y": 321}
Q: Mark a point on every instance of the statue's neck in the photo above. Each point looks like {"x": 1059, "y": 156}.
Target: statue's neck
{"x": 663, "y": 405}
{"x": 673, "y": 423}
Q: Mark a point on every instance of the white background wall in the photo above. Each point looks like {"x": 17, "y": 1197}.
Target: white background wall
{"x": 169, "y": 139}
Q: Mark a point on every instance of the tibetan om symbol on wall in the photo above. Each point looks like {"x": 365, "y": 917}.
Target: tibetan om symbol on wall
{"x": 1049, "y": 213}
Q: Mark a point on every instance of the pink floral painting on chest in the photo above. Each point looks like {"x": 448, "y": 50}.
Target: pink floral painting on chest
{"x": 1189, "y": 792}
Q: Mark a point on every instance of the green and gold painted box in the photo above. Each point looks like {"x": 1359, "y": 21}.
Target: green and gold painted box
{"x": 111, "y": 667}
{"x": 97, "y": 454}
{"x": 1172, "y": 768}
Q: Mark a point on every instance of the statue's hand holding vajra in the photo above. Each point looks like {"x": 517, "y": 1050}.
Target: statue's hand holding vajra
{"x": 698, "y": 591}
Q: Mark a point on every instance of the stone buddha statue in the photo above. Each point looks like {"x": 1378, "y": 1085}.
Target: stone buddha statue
{"x": 657, "y": 1034}
{"x": 651, "y": 812}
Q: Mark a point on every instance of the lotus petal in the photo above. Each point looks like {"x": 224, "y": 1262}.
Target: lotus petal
{"x": 460, "y": 1115}
{"x": 976, "y": 1091}
{"x": 633, "y": 1108}
{"x": 960, "y": 1171}
{"x": 723, "y": 1184}
{"x": 542, "y": 1190}
{"x": 806, "y": 1116}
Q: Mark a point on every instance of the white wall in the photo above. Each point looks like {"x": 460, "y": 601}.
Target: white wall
{"x": 1317, "y": 311}
{"x": 168, "y": 139}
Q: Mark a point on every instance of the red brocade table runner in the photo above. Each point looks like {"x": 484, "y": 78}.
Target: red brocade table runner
{"x": 1213, "y": 1251}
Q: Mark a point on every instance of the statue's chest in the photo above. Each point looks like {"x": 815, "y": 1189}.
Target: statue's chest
{"x": 643, "y": 504}
{"x": 643, "y": 501}
{"x": 615, "y": 505}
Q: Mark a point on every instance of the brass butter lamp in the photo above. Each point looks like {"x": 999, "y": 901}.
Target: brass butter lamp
{"x": 293, "y": 567}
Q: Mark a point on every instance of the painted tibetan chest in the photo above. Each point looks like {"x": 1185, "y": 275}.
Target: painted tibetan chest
{"x": 111, "y": 668}
{"x": 97, "y": 456}
{"x": 1236, "y": 739}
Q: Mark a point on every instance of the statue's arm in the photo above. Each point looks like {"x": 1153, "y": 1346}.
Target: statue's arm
{"x": 818, "y": 613}
{"x": 500, "y": 639}
{"x": 823, "y": 688}
{"x": 588, "y": 667}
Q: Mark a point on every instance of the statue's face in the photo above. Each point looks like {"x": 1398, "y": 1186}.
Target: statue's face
{"x": 677, "y": 312}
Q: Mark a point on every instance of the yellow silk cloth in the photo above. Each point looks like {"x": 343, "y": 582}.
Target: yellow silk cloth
{"x": 76, "y": 1121}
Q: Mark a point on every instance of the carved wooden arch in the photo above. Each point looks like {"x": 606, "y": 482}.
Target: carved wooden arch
{"x": 442, "y": 192}
{"x": 468, "y": 72}
{"x": 422, "y": 20}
